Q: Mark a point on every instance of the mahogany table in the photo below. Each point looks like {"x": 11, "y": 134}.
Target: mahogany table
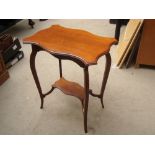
{"x": 80, "y": 46}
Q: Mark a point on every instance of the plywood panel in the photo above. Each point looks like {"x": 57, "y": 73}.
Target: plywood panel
{"x": 126, "y": 40}
{"x": 131, "y": 44}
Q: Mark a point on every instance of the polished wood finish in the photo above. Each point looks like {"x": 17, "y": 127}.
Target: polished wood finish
{"x": 79, "y": 46}
{"x": 83, "y": 45}
{"x": 146, "y": 52}
{"x": 70, "y": 88}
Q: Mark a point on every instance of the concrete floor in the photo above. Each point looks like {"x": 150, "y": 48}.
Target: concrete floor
{"x": 129, "y": 97}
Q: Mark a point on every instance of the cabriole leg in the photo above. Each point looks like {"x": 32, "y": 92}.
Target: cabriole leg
{"x": 105, "y": 77}
{"x": 34, "y": 73}
{"x": 104, "y": 81}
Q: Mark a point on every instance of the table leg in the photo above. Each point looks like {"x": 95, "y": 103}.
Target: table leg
{"x": 34, "y": 73}
{"x": 60, "y": 68}
{"x": 105, "y": 77}
{"x": 86, "y": 100}
{"x": 104, "y": 81}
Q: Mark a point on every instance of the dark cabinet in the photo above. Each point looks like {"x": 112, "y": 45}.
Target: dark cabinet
{"x": 4, "y": 75}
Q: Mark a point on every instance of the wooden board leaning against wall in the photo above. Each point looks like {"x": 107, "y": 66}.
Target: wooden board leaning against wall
{"x": 127, "y": 41}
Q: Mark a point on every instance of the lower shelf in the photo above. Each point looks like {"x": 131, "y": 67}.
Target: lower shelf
{"x": 70, "y": 88}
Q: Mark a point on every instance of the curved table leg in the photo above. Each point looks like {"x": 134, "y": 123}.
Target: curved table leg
{"x": 86, "y": 100}
{"x": 34, "y": 73}
{"x": 105, "y": 77}
{"x": 36, "y": 49}
{"x": 104, "y": 81}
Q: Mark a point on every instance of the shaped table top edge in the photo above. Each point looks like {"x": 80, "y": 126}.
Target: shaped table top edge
{"x": 66, "y": 53}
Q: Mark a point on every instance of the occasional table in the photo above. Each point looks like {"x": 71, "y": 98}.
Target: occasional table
{"x": 79, "y": 46}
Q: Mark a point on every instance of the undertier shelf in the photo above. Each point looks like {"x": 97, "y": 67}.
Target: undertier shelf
{"x": 70, "y": 88}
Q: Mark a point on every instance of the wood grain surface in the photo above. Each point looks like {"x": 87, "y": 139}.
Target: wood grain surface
{"x": 81, "y": 44}
{"x": 70, "y": 88}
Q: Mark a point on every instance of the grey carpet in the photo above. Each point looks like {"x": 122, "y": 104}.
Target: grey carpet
{"x": 129, "y": 97}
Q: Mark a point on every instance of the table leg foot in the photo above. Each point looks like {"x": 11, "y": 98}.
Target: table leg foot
{"x": 102, "y": 103}
{"x": 42, "y": 103}
{"x": 85, "y": 125}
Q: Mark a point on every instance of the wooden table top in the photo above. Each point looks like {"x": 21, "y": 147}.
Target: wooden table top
{"x": 75, "y": 43}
